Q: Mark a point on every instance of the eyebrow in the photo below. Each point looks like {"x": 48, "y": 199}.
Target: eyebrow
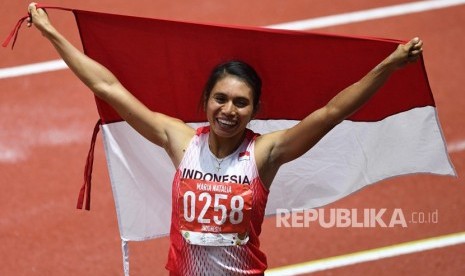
{"x": 219, "y": 93}
{"x": 239, "y": 98}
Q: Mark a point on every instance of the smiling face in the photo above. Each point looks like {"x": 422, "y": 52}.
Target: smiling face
{"x": 229, "y": 107}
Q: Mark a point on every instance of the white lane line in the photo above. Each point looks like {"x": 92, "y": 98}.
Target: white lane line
{"x": 369, "y": 255}
{"x": 34, "y": 68}
{"x": 456, "y": 146}
{"x": 371, "y": 14}
{"x": 319, "y": 22}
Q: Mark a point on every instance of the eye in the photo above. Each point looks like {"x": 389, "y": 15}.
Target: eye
{"x": 220, "y": 98}
{"x": 241, "y": 102}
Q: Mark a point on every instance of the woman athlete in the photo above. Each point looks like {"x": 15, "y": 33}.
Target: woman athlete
{"x": 223, "y": 238}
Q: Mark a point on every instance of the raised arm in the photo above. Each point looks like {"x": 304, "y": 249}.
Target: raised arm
{"x": 284, "y": 146}
{"x": 162, "y": 130}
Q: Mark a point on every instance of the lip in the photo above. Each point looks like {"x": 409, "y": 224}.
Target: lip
{"x": 226, "y": 124}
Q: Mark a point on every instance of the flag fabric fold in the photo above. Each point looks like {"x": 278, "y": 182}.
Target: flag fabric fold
{"x": 165, "y": 64}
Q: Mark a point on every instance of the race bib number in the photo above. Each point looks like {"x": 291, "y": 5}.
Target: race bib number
{"x": 213, "y": 213}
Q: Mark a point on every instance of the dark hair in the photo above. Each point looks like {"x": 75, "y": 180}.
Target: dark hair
{"x": 239, "y": 69}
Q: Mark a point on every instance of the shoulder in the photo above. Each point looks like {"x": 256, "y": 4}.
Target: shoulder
{"x": 250, "y": 135}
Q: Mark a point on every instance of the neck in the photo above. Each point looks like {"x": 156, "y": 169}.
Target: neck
{"x": 224, "y": 146}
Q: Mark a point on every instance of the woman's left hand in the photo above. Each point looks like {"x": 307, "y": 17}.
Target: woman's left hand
{"x": 407, "y": 53}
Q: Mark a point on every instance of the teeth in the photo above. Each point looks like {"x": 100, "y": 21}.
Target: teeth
{"x": 229, "y": 123}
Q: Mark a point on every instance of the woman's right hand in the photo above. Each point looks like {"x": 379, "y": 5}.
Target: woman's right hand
{"x": 38, "y": 18}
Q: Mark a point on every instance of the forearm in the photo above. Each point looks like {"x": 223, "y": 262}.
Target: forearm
{"x": 93, "y": 74}
{"x": 353, "y": 97}
{"x": 356, "y": 95}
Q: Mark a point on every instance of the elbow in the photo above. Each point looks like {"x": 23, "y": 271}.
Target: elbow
{"x": 103, "y": 90}
{"x": 335, "y": 116}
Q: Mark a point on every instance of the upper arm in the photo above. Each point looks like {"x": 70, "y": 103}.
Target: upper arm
{"x": 170, "y": 133}
{"x": 283, "y": 146}
{"x": 299, "y": 139}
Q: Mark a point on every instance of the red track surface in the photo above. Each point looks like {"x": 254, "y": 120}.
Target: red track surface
{"x": 47, "y": 121}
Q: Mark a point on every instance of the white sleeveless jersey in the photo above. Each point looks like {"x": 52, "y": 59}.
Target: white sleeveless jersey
{"x": 218, "y": 208}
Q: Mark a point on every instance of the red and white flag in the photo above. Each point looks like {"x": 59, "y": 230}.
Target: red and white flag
{"x": 165, "y": 64}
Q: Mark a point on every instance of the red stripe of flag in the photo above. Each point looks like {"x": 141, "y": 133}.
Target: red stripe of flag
{"x": 166, "y": 63}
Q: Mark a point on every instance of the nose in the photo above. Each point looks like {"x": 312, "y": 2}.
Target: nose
{"x": 229, "y": 108}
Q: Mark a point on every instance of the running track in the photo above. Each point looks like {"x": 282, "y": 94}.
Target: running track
{"x": 47, "y": 120}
